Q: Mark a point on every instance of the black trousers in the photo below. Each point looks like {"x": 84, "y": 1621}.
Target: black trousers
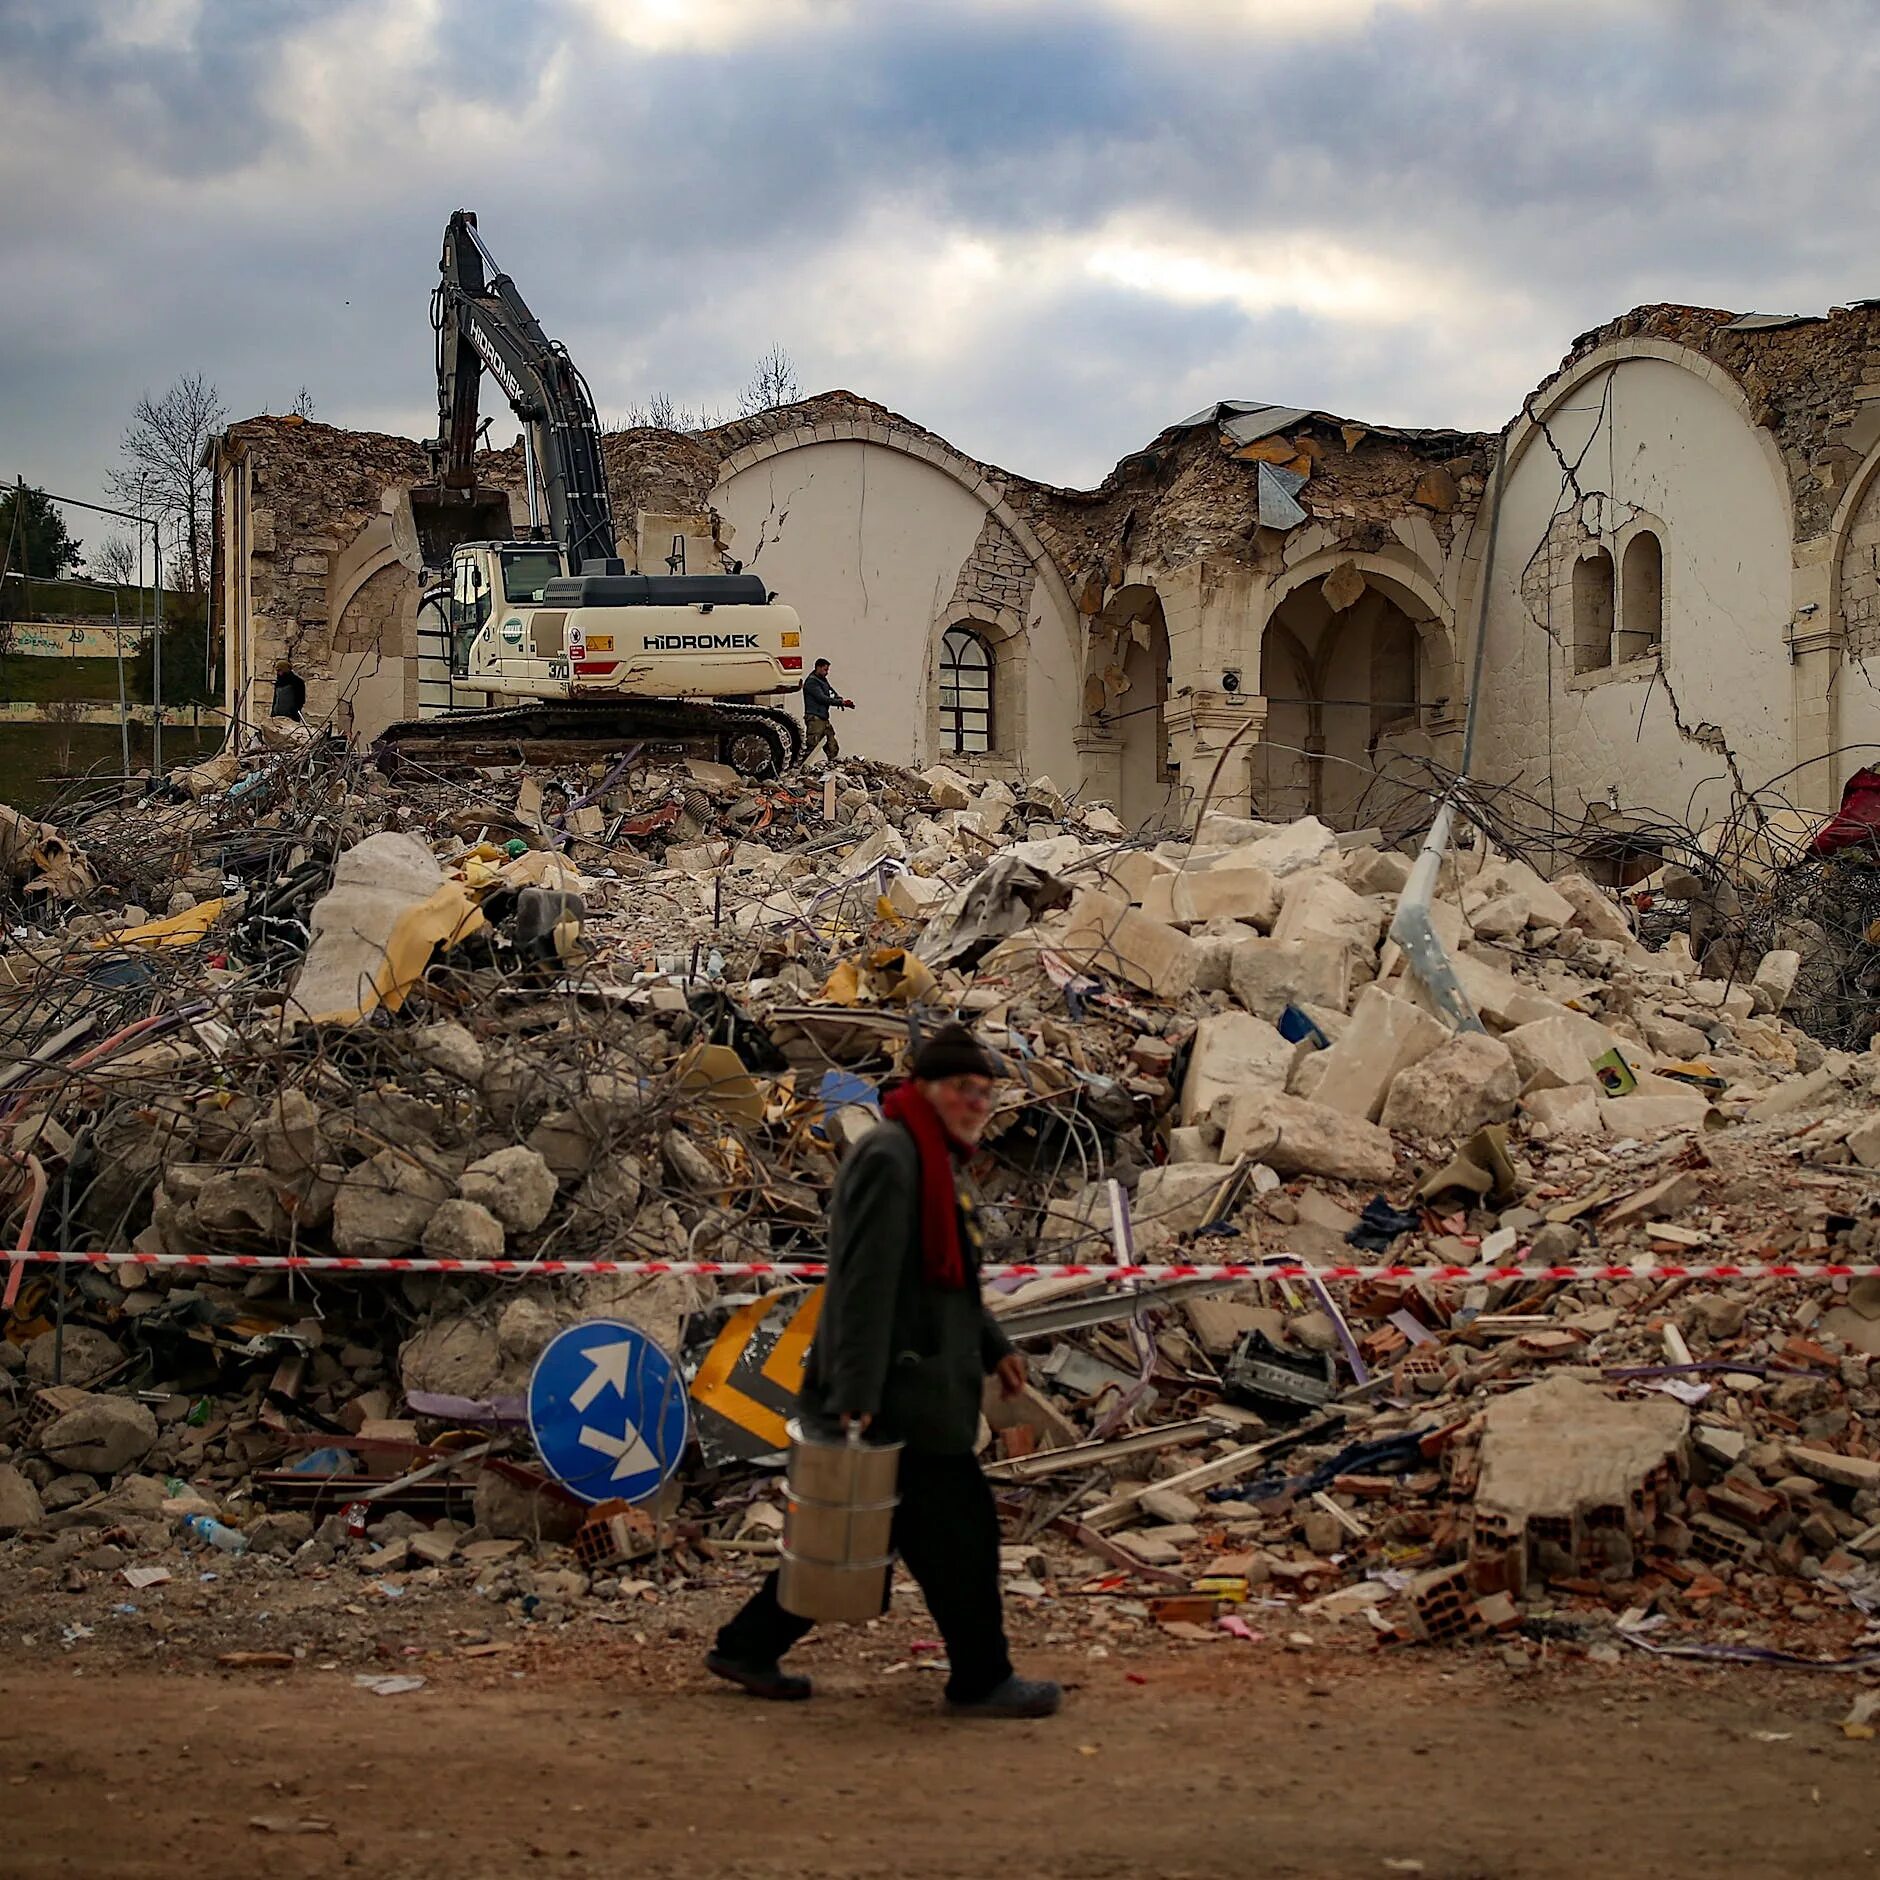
{"x": 946, "y": 1531}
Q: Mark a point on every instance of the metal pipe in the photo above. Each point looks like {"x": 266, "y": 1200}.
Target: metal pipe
{"x": 1411, "y": 926}
{"x": 528, "y": 475}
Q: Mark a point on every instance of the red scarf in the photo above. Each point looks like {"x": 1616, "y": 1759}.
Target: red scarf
{"x": 941, "y": 1253}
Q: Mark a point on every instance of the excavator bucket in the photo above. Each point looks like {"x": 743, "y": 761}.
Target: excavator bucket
{"x": 441, "y": 518}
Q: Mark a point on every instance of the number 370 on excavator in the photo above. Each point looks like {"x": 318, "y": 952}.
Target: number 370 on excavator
{"x": 602, "y": 657}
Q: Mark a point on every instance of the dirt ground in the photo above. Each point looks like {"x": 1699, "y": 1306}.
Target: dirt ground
{"x": 588, "y": 1751}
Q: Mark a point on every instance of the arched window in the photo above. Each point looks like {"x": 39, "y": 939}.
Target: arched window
{"x": 1592, "y": 612}
{"x": 965, "y": 691}
{"x": 1642, "y": 601}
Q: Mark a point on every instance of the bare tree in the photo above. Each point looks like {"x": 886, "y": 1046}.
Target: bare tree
{"x": 772, "y": 383}
{"x": 163, "y": 474}
{"x": 660, "y": 413}
{"x": 115, "y": 562}
{"x": 302, "y": 407}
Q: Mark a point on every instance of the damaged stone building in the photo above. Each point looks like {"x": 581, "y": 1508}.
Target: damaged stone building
{"x": 1677, "y": 586}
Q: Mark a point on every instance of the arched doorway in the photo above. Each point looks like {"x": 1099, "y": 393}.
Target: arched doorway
{"x": 1130, "y": 657}
{"x": 1349, "y": 689}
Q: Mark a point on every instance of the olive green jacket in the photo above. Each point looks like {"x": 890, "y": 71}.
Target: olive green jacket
{"x": 912, "y": 1356}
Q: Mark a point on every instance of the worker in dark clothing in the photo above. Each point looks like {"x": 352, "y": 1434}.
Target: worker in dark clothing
{"x": 290, "y": 693}
{"x": 820, "y": 698}
{"x": 902, "y": 1351}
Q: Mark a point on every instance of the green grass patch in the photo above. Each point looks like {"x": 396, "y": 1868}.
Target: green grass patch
{"x": 24, "y": 680}
{"x": 38, "y": 762}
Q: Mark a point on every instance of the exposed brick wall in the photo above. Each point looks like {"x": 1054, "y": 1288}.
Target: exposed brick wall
{"x": 998, "y": 573}
{"x": 374, "y": 616}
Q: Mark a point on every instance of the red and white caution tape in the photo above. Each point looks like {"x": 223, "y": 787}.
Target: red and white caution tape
{"x": 814, "y": 1269}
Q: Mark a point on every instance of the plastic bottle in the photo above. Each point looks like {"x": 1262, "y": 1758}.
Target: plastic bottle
{"x": 206, "y": 1528}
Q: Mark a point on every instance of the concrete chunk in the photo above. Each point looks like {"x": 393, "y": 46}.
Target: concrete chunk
{"x": 102, "y": 1435}
{"x": 1108, "y": 935}
{"x": 1561, "y": 1460}
{"x": 1547, "y": 907}
{"x": 1648, "y": 1116}
{"x": 1775, "y": 979}
{"x": 1562, "y": 1050}
{"x": 1231, "y": 1051}
{"x": 914, "y": 897}
{"x": 1565, "y": 1110}
{"x": 516, "y": 1185}
{"x": 1594, "y": 910}
{"x": 20, "y": 1509}
{"x": 1130, "y": 875}
{"x": 1462, "y": 1085}
{"x": 947, "y": 788}
{"x": 1267, "y": 975}
{"x": 1322, "y": 911}
{"x": 1295, "y": 1137}
{"x": 1386, "y": 1035}
{"x": 1236, "y": 893}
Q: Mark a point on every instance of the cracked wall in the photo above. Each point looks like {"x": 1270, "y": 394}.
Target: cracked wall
{"x": 1647, "y": 442}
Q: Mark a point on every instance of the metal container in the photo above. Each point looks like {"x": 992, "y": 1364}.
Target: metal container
{"x": 837, "y": 1520}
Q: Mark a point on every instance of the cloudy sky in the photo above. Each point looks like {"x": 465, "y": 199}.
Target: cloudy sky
{"x": 1043, "y": 227}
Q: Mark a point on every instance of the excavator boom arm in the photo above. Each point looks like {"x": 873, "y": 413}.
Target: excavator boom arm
{"x": 483, "y": 323}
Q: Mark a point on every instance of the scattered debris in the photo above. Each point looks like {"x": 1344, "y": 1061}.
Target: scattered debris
{"x": 455, "y": 1014}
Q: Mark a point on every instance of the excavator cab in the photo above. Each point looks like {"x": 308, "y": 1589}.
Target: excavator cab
{"x": 486, "y": 576}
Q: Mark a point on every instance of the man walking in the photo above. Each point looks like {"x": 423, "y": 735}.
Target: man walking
{"x": 902, "y": 1351}
{"x": 820, "y": 698}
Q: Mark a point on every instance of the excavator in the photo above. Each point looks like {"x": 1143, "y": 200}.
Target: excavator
{"x": 676, "y": 662}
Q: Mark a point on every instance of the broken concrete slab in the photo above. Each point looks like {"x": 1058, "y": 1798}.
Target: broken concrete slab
{"x": 1457, "y": 1089}
{"x": 1105, "y": 934}
{"x": 1561, "y": 1460}
{"x": 1267, "y": 975}
{"x": 102, "y": 1435}
{"x": 1232, "y": 1050}
{"x": 1386, "y": 1035}
{"x": 516, "y": 1185}
{"x": 1297, "y": 1137}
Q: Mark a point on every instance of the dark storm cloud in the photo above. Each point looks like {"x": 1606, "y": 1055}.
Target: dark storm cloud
{"x": 255, "y": 188}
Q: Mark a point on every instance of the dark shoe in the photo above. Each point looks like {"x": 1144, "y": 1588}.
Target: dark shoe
{"x": 1016, "y": 1697}
{"x": 770, "y": 1680}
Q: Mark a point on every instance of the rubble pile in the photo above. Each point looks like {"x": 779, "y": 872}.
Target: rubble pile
{"x": 635, "y": 1011}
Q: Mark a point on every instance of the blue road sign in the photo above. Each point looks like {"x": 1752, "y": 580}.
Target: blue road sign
{"x": 607, "y": 1409}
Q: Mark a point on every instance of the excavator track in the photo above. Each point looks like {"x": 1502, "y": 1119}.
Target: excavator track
{"x": 754, "y": 740}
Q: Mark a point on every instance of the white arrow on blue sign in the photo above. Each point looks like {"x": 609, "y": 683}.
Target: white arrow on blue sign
{"x": 608, "y": 1411}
